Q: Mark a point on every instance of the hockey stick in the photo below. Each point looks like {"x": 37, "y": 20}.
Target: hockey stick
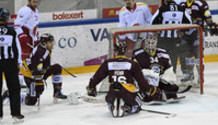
{"x": 38, "y": 104}
{"x": 68, "y": 72}
{"x": 159, "y": 112}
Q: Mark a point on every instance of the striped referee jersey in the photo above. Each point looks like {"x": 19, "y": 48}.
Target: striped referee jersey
{"x": 171, "y": 13}
{"x": 9, "y": 46}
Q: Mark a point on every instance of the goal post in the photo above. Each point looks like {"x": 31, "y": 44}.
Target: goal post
{"x": 114, "y": 32}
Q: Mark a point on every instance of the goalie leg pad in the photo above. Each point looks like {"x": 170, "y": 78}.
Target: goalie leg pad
{"x": 169, "y": 88}
{"x": 156, "y": 97}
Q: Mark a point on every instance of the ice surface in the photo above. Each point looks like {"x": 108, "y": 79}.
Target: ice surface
{"x": 196, "y": 109}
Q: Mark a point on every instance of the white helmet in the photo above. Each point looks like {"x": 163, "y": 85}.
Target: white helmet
{"x": 151, "y": 41}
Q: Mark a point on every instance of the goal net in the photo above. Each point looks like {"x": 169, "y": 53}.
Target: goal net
{"x": 186, "y": 57}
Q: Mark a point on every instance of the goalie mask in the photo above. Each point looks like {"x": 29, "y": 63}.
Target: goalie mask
{"x": 151, "y": 42}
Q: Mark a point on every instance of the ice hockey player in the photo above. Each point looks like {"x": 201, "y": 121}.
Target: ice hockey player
{"x": 26, "y": 27}
{"x": 155, "y": 60}
{"x": 133, "y": 14}
{"x": 121, "y": 97}
{"x": 38, "y": 68}
{"x": 200, "y": 13}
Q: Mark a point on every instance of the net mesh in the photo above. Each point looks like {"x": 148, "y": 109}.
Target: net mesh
{"x": 185, "y": 50}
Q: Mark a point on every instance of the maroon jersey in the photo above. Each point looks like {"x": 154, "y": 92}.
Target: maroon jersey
{"x": 158, "y": 60}
{"x": 40, "y": 55}
{"x": 199, "y": 11}
{"x": 120, "y": 70}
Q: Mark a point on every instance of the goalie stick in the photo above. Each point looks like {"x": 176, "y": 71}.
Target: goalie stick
{"x": 160, "y": 112}
{"x": 166, "y": 92}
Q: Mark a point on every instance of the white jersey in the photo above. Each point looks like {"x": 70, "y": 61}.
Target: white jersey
{"x": 27, "y": 18}
{"x": 140, "y": 15}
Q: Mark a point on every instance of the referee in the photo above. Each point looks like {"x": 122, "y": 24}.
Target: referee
{"x": 9, "y": 65}
{"x": 170, "y": 13}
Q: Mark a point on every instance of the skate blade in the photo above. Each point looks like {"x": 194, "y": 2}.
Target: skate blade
{"x": 18, "y": 121}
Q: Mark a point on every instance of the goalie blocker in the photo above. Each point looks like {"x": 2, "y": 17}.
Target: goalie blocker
{"x": 121, "y": 97}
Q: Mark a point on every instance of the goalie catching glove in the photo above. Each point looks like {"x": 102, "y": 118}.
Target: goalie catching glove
{"x": 91, "y": 91}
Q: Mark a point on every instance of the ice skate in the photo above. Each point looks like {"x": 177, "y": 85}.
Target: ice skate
{"x": 59, "y": 95}
{"x": 117, "y": 109}
{"x": 18, "y": 119}
{"x": 187, "y": 77}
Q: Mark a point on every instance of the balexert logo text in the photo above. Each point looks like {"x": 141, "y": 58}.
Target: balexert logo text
{"x": 66, "y": 16}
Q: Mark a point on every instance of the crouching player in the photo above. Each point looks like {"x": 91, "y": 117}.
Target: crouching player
{"x": 156, "y": 60}
{"x": 121, "y": 97}
{"x": 37, "y": 69}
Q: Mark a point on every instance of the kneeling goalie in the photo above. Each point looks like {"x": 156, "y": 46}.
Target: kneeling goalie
{"x": 156, "y": 67}
{"x": 121, "y": 97}
{"x": 38, "y": 68}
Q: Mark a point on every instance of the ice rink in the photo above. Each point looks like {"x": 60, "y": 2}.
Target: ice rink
{"x": 195, "y": 109}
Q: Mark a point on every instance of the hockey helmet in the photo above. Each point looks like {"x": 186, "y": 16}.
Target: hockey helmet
{"x": 4, "y": 14}
{"x": 120, "y": 48}
{"x": 151, "y": 41}
{"x": 44, "y": 38}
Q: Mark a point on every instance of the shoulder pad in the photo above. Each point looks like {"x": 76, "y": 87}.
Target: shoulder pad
{"x": 138, "y": 51}
{"x": 122, "y": 9}
{"x": 141, "y": 4}
{"x": 200, "y": 3}
{"x": 161, "y": 50}
{"x": 163, "y": 55}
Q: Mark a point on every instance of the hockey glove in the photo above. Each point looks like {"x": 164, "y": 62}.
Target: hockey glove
{"x": 91, "y": 91}
{"x": 152, "y": 91}
{"x": 214, "y": 29}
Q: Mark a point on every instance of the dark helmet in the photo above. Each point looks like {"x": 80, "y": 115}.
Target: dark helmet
{"x": 46, "y": 37}
{"x": 4, "y": 14}
{"x": 120, "y": 48}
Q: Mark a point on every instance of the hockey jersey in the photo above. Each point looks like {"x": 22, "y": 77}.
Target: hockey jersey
{"x": 40, "y": 60}
{"x": 199, "y": 11}
{"x": 158, "y": 61}
{"x": 120, "y": 70}
{"x": 171, "y": 13}
{"x": 27, "y": 21}
{"x": 139, "y": 15}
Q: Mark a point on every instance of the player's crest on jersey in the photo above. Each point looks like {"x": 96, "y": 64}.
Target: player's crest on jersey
{"x": 156, "y": 69}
